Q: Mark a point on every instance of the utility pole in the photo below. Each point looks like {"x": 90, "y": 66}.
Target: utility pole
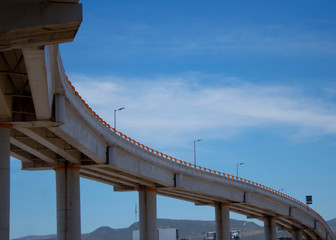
{"x": 198, "y": 140}
{"x": 238, "y": 164}
{"x": 115, "y": 116}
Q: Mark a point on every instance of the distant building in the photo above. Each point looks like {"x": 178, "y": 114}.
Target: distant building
{"x": 163, "y": 234}
{"x": 209, "y": 236}
{"x": 168, "y": 234}
{"x": 234, "y": 234}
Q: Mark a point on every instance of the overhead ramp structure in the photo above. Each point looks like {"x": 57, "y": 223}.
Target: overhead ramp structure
{"x": 46, "y": 124}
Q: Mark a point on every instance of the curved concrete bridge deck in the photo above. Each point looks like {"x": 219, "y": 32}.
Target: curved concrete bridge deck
{"x": 47, "y": 125}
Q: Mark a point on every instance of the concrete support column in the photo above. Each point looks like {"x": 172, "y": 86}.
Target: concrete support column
{"x": 270, "y": 228}
{"x": 222, "y": 221}
{"x": 4, "y": 180}
{"x": 147, "y": 214}
{"x": 297, "y": 235}
{"x": 68, "y": 203}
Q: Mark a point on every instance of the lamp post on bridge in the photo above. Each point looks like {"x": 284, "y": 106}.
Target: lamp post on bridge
{"x": 238, "y": 164}
{"x": 115, "y": 116}
{"x": 198, "y": 140}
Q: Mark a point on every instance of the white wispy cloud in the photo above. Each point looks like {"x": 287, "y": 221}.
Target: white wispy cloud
{"x": 176, "y": 109}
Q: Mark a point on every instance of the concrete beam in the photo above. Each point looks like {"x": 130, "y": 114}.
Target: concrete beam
{"x": 129, "y": 178}
{"x": 147, "y": 214}
{"x": 57, "y": 145}
{"x": 78, "y": 134}
{"x": 21, "y": 154}
{"x": 94, "y": 172}
{"x": 4, "y": 181}
{"x": 187, "y": 196}
{"x": 195, "y": 200}
{"x": 126, "y": 162}
{"x": 302, "y": 217}
{"x": 34, "y": 148}
{"x": 68, "y": 203}
{"x": 40, "y": 85}
{"x": 266, "y": 203}
{"x": 320, "y": 229}
{"x": 199, "y": 197}
{"x": 89, "y": 176}
{"x": 28, "y": 23}
{"x": 215, "y": 190}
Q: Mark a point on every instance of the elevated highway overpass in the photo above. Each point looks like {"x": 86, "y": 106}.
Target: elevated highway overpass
{"x": 46, "y": 124}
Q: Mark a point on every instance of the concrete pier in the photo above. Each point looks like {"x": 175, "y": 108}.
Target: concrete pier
{"x": 222, "y": 212}
{"x": 297, "y": 235}
{"x": 4, "y": 180}
{"x": 147, "y": 214}
{"x": 270, "y": 228}
{"x": 68, "y": 203}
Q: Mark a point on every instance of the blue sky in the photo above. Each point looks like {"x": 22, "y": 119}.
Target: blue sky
{"x": 255, "y": 80}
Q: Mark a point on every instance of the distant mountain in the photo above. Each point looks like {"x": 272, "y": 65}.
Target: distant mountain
{"x": 189, "y": 229}
{"x": 194, "y": 229}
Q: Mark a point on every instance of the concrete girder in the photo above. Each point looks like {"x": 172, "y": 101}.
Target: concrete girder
{"x": 21, "y": 154}
{"x": 35, "y": 124}
{"x": 38, "y": 165}
{"x": 191, "y": 194}
{"x": 77, "y": 133}
{"x": 197, "y": 199}
{"x": 40, "y": 84}
{"x": 57, "y": 145}
{"x": 266, "y": 203}
{"x": 100, "y": 179}
{"x": 33, "y": 147}
{"x": 320, "y": 229}
{"x": 288, "y": 224}
{"x": 191, "y": 199}
{"x": 110, "y": 178}
{"x": 122, "y": 160}
{"x": 110, "y": 172}
{"x": 212, "y": 189}
{"x": 301, "y": 217}
{"x": 37, "y": 22}
{"x": 248, "y": 210}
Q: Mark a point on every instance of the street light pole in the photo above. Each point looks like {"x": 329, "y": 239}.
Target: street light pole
{"x": 198, "y": 140}
{"x": 238, "y": 164}
{"x": 115, "y": 116}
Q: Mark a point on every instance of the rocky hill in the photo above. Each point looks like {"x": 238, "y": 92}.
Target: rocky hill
{"x": 189, "y": 229}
